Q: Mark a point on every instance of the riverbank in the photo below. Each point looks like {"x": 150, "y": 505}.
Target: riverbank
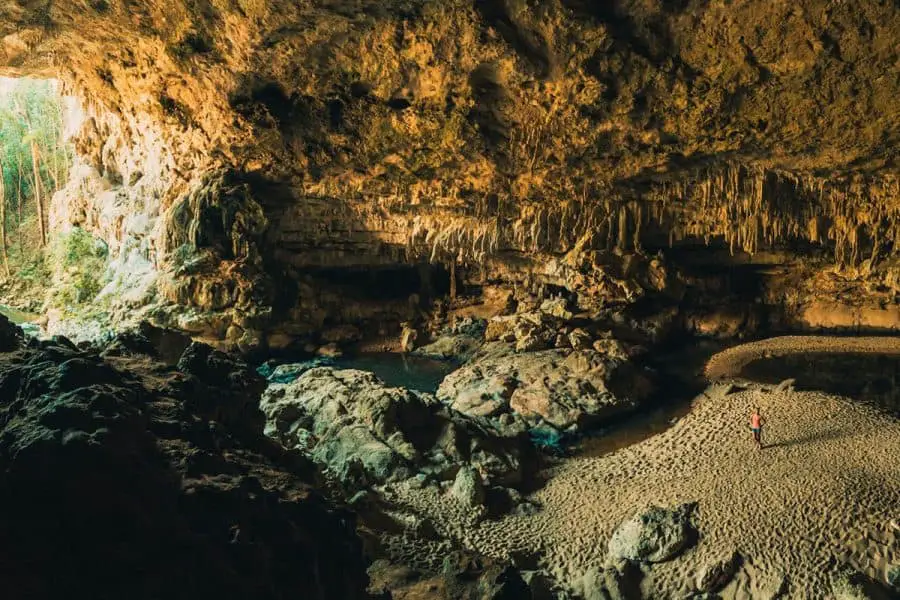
{"x": 820, "y": 496}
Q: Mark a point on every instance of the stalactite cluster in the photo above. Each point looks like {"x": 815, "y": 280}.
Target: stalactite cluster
{"x": 749, "y": 208}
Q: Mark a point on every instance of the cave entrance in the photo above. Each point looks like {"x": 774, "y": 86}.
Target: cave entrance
{"x": 37, "y": 123}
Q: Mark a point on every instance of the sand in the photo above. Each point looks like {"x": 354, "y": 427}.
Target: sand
{"x": 823, "y": 493}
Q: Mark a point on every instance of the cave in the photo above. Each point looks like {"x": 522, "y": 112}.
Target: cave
{"x": 449, "y": 299}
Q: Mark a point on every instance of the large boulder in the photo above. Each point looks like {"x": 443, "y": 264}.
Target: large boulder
{"x": 113, "y": 486}
{"x": 561, "y": 387}
{"x": 367, "y": 432}
{"x": 655, "y": 535}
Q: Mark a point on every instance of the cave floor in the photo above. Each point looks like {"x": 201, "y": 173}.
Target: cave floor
{"x": 823, "y": 492}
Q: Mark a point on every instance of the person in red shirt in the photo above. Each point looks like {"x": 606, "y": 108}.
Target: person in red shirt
{"x": 756, "y": 422}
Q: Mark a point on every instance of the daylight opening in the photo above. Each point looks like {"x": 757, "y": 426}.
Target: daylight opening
{"x": 37, "y": 123}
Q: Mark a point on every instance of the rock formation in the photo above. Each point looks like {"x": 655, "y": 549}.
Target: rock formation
{"x": 229, "y": 145}
{"x": 121, "y": 477}
{"x": 367, "y": 433}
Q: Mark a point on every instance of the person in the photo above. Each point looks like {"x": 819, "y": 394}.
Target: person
{"x": 756, "y": 422}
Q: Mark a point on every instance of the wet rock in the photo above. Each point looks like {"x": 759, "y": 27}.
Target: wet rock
{"x": 130, "y": 343}
{"x": 555, "y": 387}
{"x": 716, "y": 574}
{"x": 468, "y": 488}
{"x": 655, "y": 535}
{"x": 452, "y": 347}
{"x": 367, "y": 432}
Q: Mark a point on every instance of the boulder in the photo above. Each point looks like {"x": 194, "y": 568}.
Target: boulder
{"x": 468, "y": 488}
{"x": 367, "y": 432}
{"x": 458, "y": 341}
{"x": 561, "y": 388}
{"x": 655, "y": 535}
{"x": 558, "y": 308}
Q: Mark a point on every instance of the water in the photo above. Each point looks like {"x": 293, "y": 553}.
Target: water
{"x": 870, "y": 378}
{"x": 395, "y": 369}
{"x": 17, "y": 316}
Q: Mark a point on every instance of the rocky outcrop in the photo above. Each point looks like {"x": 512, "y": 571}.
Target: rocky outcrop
{"x": 655, "y": 535}
{"x": 367, "y": 433}
{"x": 125, "y": 478}
{"x": 559, "y": 388}
{"x": 224, "y": 146}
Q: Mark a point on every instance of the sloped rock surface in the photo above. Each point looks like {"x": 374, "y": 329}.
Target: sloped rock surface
{"x": 560, "y": 387}
{"x": 119, "y": 485}
{"x": 369, "y": 433}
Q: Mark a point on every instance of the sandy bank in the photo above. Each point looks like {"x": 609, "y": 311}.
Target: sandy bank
{"x": 821, "y": 494}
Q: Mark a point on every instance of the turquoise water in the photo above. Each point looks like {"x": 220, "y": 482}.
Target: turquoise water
{"x": 395, "y": 369}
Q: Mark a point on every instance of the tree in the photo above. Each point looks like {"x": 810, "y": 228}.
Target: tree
{"x": 34, "y": 157}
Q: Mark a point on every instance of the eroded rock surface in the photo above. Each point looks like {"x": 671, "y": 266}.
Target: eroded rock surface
{"x": 562, "y": 388}
{"x": 655, "y": 535}
{"x": 368, "y": 433}
{"x": 124, "y": 478}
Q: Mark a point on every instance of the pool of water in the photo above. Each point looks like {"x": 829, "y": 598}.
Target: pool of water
{"x": 870, "y": 378}
{"x": 395, "y": 369}
{"x": 17, "y": 316}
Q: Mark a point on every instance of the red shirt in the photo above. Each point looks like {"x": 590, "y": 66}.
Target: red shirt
{"x": 755, "y": 421}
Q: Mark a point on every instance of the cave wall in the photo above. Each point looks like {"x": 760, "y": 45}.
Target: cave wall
{"x": 231, "y": 141}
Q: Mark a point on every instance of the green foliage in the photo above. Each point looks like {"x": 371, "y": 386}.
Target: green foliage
{"x": 78, "y": 262}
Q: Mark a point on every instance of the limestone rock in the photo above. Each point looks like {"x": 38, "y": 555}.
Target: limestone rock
{"x": 408, "y": 339}
{"x": 579, "y": 339}
{"x": 468, "y": 488}
{"x": 554, "y": 386}
{"x": 367, "y": 432}
{"x": 655, "y": 535}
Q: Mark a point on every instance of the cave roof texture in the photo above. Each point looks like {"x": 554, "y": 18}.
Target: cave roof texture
{"x": 490, "y": 108}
